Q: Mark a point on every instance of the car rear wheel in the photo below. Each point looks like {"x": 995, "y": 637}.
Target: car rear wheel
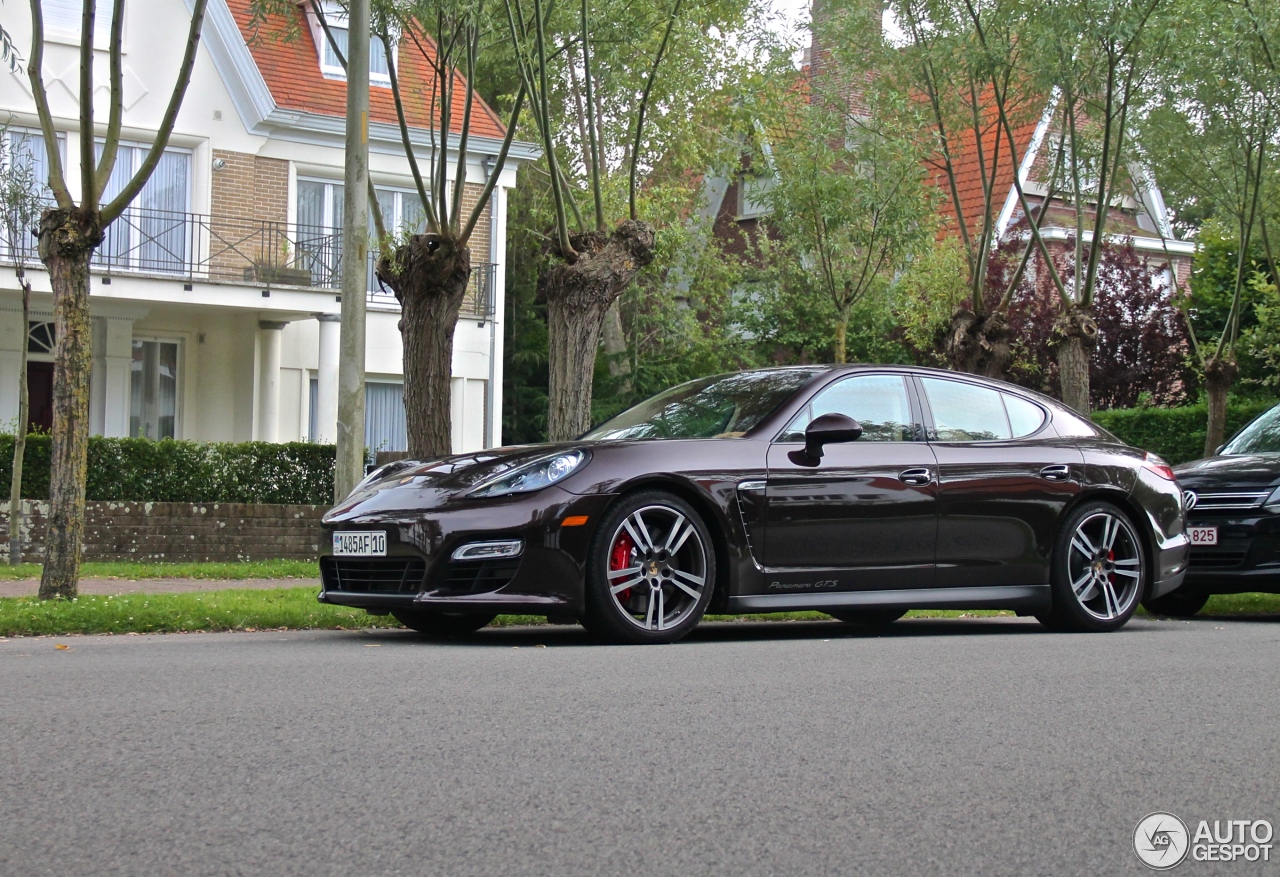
{"x": 1179, "y": 604}
{"x": 1099, "y": 571}
{"x": 651, "y": 570}
{"x": 868, "y": 617}
{"x": 442, "y": 624}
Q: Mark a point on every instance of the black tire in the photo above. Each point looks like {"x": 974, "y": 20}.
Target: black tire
{"x": 442, "y": 624}
{"x": 652, "y": 550}
{"x": 1096, "y": 587}
{"x": 868, "y": 617}
{"x": 1180, "y": 604}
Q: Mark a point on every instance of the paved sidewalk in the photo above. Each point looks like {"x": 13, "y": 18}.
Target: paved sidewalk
{"x": 30, "y": 587}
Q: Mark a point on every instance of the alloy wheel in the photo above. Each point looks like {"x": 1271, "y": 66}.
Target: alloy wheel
{"x": 1104, "y": 565}
{"x": 657, "y": 567}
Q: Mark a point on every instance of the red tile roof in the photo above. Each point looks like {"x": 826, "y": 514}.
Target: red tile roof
{"x": 968, "y": 162}
{"x": 286, "y": 56}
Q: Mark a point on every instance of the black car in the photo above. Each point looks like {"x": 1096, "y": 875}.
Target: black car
{"x": 1233, "y": 519}
{"x": 860, "y": 491}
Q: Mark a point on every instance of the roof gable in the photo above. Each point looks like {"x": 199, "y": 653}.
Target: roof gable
{"x": 290, "y": 68}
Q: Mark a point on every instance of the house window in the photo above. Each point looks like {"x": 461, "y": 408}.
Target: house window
{"x": 330, "y": 63}
{"x": 320, "y": 225}
{"x": 154, "y": 233}
{"x": 25, "y": 151}
{"x": 153, "y": 390}
{"x": 40, "y": 337}
{"x": 384, "y": 421}
{"x": 62, "y": 20}
{"x": 753, "y": 195}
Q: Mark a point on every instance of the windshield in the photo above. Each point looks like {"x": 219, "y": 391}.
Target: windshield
{"x": 1262, "y": 436}
{"x": 719, "y": 407}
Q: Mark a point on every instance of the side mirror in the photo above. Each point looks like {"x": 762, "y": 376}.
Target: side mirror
{"x": 829, "y": 429}
{"x": 1218, "y": 450}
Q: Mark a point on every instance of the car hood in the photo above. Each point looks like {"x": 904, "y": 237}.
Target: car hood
{"x": 408, "y": 485}
{"x": 1227, "y": 472}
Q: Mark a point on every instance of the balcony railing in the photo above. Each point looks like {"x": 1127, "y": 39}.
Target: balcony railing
{"x": 196, "y": 246}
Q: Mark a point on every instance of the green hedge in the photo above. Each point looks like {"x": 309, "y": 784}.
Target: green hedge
{"x": 1177, "y": 434}
{"x": 175, "y": 471}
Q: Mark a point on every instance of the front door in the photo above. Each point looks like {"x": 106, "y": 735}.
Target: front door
{"x": 1005, "y": 479}
{"x": 40, "y": 396}
{"x": 864, "y": 517}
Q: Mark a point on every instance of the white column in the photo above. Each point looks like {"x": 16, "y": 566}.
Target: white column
{"x": 269, "y": 380}
{"x": 497, "y": 255}
{"x": 327, "y": 379}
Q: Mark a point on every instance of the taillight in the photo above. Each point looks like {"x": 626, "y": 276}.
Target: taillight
{"x": 1155, "y": 464}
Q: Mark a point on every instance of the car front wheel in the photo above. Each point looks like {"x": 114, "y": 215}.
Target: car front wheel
{"x": 651, "y": 570}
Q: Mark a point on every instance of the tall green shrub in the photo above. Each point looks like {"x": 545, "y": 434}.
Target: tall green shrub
{"x": 1177, "y": 434}
{"x": 143, "y": 470}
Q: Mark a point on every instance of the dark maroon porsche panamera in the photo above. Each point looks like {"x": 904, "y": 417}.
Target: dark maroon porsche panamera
{"x": 859, "y": 491}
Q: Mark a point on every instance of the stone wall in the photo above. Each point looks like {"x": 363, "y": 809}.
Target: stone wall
{"x": 179, "y": 531}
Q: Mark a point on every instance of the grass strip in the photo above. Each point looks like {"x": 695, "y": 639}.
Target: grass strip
{"x": 297, "y": 609}
{"x": 234, "y": 571}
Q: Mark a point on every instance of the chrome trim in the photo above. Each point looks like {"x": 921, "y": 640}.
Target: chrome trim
{"x": 752, "y": 485}
{"x": 498, "y": 549}
{"x": 1224, "y": 501}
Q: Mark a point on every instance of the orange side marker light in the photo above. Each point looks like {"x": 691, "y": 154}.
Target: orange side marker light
{"x": 574, "y": 521}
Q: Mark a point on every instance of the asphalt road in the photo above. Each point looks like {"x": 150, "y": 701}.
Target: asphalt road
{"x": 943, "y": 747}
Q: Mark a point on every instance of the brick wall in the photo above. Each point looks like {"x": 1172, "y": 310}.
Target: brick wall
{"x": 246, "y": 192}
{"x": 479, "y": 242}
{"x": 179, "y": 531}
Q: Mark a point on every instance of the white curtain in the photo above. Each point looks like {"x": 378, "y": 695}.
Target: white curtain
{"x": 384, "y": 425}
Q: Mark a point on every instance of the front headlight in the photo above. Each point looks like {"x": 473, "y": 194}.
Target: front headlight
{"x": 532, "y": 476}
{"x": 1273, "y": 501}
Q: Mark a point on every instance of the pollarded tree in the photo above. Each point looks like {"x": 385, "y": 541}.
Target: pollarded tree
{"x": 428, "y": 269}
{"x": 69, "y": 233}
{"x": 597, "y": 73}
{"x": 1212, "y": 137}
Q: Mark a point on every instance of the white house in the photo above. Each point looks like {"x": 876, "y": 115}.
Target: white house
{"x": 214, "y": 298}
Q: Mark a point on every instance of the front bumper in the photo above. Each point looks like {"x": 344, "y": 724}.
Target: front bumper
{"x": 1246, "y": 558}
{"x": 418, "y": 571}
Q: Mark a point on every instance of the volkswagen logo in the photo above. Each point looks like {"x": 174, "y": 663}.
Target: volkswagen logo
{"x": 1189, "y": 499}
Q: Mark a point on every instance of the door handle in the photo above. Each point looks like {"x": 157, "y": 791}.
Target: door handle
{"x": 917, "y": 477}
{"x": 1057, "y": 472}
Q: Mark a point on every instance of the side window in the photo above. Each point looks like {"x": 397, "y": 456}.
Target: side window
{"x": 1024, "y": 417}
{"x": 878, "y": 402}
{"x": 966, "y": 412}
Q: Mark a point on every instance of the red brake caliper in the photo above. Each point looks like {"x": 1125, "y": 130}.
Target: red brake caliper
{"x": 620, "y": 558}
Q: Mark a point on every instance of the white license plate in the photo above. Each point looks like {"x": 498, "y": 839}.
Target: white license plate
{"x": 360, "y": 543}
{"x": 1203, "y": 535}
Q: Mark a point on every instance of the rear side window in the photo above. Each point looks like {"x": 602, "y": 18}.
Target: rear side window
{"x": 878, "y": 402}
{"x": 1024, "y": 417}
{"x": 966, "y": 412}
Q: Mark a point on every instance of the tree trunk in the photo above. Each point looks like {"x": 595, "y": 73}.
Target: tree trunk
{"x": 67, "y": 239}
{"x": 20, "y": 431}
{"x": 429, "y": 276}
{"x": 979, "y": 345}
{"x": 1075, "y": 334}
{"x": 842, "y": 336}
{"x": 1219, "y": 374}
{"x": 615, "y": 347}
{"x": 578, "y": 296}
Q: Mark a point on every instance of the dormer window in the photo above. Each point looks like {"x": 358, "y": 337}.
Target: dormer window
{"x": 330, "y": 62}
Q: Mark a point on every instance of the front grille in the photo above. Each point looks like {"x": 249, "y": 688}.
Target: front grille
{"x": 478, "y": 576}
{"x": 1217, "y": 557}
{"x": 1209, "y": 502}
{"x": 373, "y": 575}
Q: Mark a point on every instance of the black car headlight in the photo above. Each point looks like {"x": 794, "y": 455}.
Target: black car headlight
{"x": 534, "y": 475}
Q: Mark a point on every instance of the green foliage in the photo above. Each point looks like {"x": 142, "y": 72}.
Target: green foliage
{"x": 1261, "y": 342}
{"x": 1177, "y": 434}
{"x": 927, "y": 294}
{"x": 143, "y": 470}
